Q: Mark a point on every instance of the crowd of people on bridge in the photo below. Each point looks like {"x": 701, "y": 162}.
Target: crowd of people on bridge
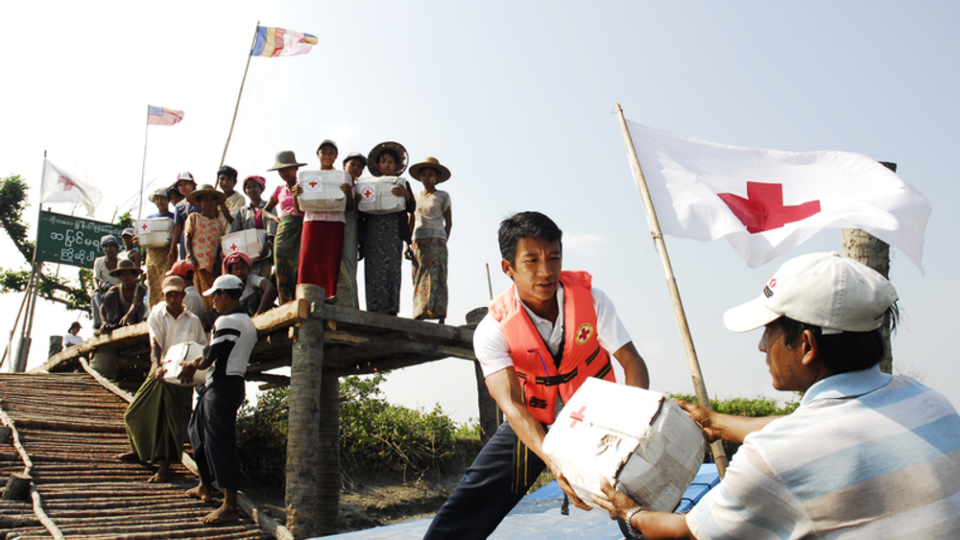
{"x": 301, "y": 245}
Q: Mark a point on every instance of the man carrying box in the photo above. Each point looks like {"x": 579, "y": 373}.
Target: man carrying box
{"x": 866, "y": 455}
{"x": 542, "y": 338}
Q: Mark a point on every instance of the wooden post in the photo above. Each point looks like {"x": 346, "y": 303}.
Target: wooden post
{"x": 719, "y": 456}
{"x": 865, "y": 248}
{"x": 305, "y": 513}
{"x": 328, "y": 473}
{"x": 489, "y": 413}
{"x": 105, "y": 362}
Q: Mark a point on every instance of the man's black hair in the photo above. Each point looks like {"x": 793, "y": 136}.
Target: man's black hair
{"x": 526, "y": 225}
{"x": 233, "y": 293}
{"x": 330, "y": 144}
{"x": 845, "y": 352}
{"x": 228, "y": 171}
{"x": 390, "y": 152}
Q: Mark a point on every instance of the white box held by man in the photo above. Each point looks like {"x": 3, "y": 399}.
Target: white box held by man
{"x": 179, "y": 355}
{"x": 154, "y": 232}
{"x": 321, "y": 191}
{"x": 640, "y": 441}
{"x": 249, "y": 241}
{"x": 376, "y": 196}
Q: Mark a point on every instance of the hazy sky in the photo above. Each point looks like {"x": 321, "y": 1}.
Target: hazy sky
{"x": 515, "y": 97}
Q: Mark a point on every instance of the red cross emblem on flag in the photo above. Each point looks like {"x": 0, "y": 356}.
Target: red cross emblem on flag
{"x": 763, "y": 209}
{"x": 67, "y": 185}
{"x": 577, "y": 416}
{"x": 584, "y": 333}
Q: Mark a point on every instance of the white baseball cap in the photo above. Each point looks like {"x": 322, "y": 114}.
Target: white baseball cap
{"x": 224, "y": 283}
{"x": 823, "y": 289}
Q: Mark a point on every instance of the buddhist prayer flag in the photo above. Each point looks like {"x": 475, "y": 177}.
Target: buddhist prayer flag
{"x": 161, "y": 116}
{"x": 58, "y": 186}
{"x": 766, "y": 202}
{"x": 279, "y": 42}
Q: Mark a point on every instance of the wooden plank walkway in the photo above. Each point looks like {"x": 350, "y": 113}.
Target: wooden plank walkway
{"x": 71, "y": 428}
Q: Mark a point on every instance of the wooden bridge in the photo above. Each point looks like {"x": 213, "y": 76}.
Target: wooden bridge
{"x": 319, "y": 342}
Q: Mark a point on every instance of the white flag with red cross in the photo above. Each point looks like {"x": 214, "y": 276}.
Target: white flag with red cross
{"x": 58, "y": 186}
{"x": 766, "y": 202}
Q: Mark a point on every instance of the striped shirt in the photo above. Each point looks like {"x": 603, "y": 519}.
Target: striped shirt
{"x": 865, "y": 456}
{"x": 231, "y": 344}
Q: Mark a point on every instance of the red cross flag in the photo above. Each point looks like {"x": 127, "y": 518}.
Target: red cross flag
{"x": 766, "y": 202}
{"x": 58, "y": 186}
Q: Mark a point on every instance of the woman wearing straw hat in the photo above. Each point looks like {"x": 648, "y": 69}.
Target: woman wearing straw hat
{"x": 431, "y": 224}
{"x": 286, "y": 245}
{"x": 202, "y": 237}
{"x": 123, "y": 303}
{"x": 384, "y": 234}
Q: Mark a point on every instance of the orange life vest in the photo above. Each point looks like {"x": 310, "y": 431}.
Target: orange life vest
{"x": 582, "y": 355}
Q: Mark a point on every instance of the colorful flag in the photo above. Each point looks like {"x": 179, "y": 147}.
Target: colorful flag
{"x": 161, "y": 116}
{"x": 766, "y": 202}
{"x": 58, "y": 186}
{"x": 279, "y": 42}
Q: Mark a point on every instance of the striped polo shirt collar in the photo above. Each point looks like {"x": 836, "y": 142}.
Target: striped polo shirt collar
{"x": 846, "y": 385}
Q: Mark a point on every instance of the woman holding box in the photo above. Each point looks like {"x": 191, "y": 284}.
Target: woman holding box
{"x": 286, "y": 245}
{"x": 384, "y": 234}
{"x": 431, "y": 224}
{"x": 254, "y": 216}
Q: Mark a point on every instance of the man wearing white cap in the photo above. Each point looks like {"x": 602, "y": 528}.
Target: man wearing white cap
{"x": 865, "y": 455}
{"x": 156, "y": 420}
{"x": 213, "y": 433}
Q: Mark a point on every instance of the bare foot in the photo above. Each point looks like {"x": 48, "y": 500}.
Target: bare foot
{"x": 163, "y": 474}
{"x": 200, "y": 492}
{"x": 221, "y": 515}
{"x": 129, "y": 457}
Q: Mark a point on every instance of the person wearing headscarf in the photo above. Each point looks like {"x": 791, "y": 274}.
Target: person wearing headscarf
{"x": 258, "y": 294}
{"x": 385, "y": 234}
{"x": 253, "y": 215}
{"x": 102, "y": 280}
{"x": 431, "y": 224}
{"x": 286, "y": 244}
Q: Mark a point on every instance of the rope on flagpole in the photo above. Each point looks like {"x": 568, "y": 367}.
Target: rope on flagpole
{"x": 237, "y": 108}
{"x": 693, "y": 363}
{"x": 143, "y": 169}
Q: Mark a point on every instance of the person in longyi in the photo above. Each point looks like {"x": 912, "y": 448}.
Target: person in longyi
{"x": 431, "y": 224}
{"x": 347, "y": 291}
{"x": 156, "y": 419}
{"x": 102, "y": 278}
{"x": 202, "y": 233}
{"x": 286, "y": 245}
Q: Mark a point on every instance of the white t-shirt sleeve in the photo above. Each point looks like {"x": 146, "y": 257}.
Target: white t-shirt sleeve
{"x": 493, "y": 352}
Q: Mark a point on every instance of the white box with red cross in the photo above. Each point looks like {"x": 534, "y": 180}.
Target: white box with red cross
{"x": 376, "y": 196}
{"x": 249, "y": 241}
{"x": 321, "y": 191}
{"x": 154, "y": 232}
{"x": 640, "y": 441}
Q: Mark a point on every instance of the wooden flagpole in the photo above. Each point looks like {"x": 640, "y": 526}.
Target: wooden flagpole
{"x": 143, "y": 169}
{"x": 693, "y": 363}
{"x": 237, "y": 108}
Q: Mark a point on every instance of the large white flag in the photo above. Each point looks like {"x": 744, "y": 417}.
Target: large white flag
{"x": 766, "y": 202}
{"x": 59, "y": 186}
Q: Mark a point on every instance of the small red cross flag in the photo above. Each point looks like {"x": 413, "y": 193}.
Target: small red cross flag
{"x": 766, "y": 202}
{"x": 59, "y": 186}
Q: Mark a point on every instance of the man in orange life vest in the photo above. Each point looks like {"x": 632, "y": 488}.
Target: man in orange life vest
{"x": 540, "y": 340}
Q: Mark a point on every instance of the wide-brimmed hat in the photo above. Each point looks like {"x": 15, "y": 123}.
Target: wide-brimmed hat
{"x": 355, "y": 155}
{"x": 173, "y": 283}
{"x": 443, "y": 173}
{"x": 182, "y": 267}
{"x": 109, "y": 239}
{"x": 162, "y": 192}
{"x": 224, "y": 283}
{"x": 235, "y": 257}
{"x": 259, "y": 180}
{"x": 373, "y": 157}
{"x": 185, "y": 176}
{"x": 822, "y": 289}
{"x": 285, "y": 159}
{"x": 125, "y": 264}
{"x": 329, "y": 142}
{"x": 205, "y": 189}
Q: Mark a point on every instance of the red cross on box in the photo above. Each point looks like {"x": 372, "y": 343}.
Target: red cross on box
{"x": 312, "y": 184}
{"x": 233, "y": 247}
{"x": 577, "y": 416}
{"x": 368, "y": 193}
{"x": 144, "y": 226}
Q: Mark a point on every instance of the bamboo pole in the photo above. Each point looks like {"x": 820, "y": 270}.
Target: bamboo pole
{"x": 692, "y": 362}
{"x": 16, "y": 321}
{"x": 143, "y": 169}
{"x": 237, "y": 108}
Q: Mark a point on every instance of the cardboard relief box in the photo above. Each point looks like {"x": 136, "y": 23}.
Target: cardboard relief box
{"x": 640, "y": 441}
{"x": 179, "y": 355}
{"x": 250, "y": 241}
{"x": 376, "y": 196}
{"x": 321, "y": 191}
{"x": 154, "y": 232}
